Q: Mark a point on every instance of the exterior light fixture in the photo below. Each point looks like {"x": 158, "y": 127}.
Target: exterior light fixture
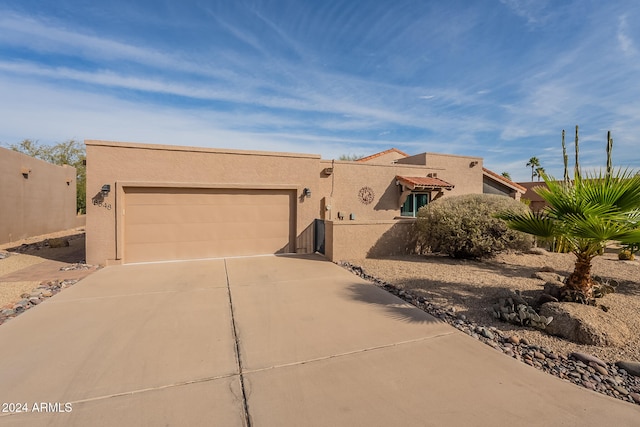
{"x": 306, "y": 192}
{"x": 473, "y": 163}
{"x": 105, "y": 190}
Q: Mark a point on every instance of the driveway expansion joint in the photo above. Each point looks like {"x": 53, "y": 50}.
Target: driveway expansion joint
{"x": 142, "y": 390}
{"x": 350, "y": 353}
{"x": 245, "y": 404}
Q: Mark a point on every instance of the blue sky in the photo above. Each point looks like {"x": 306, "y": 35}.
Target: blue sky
{"x": 498, "y": 79}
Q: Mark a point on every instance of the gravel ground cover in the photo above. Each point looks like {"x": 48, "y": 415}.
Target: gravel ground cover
{"x": 462, "y": 292}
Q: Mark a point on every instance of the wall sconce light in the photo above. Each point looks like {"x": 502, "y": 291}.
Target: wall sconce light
{"x": 473, "y": 163}
{"x": 327, "y": 171}
{"x": 306, "y": 192}
{"x": 25, "y": 172}
{"x": 105, "y": 190}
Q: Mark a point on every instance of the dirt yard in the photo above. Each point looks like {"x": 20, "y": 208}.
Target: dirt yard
{"x": 471, "y": 287}
{"x": 23, "y": 263}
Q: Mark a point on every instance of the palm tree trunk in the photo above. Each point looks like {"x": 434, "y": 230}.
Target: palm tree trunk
{"x": 580, "y": 280}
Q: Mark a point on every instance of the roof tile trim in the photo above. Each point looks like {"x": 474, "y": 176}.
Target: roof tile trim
{"x": 382, "y": 153}
{"x": 504, "y": 180}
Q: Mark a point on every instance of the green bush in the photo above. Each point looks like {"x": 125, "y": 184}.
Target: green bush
{"x": 465, "y": 226}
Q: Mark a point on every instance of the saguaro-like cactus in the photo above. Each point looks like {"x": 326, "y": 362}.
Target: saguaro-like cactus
{"x": 566, "y": 159}
{"x": 577, "y": 167}
{"x": 609, "y": 148}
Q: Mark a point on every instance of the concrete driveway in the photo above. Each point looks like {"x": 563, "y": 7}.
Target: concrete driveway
{"x": 265, "y": 341}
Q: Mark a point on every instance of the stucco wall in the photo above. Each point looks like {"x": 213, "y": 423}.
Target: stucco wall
{"x": 350, "y": 240}
{"x": 119, "y": 164}
{"x": 342, "y": 189}
{"x": 36, "y": 197}
{"x": 462, "y": 171}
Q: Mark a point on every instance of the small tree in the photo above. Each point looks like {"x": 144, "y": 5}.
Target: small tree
{"x": 70, "y": 152}
{"x": 350, "y": 157}
{"x": 585, "y": 213}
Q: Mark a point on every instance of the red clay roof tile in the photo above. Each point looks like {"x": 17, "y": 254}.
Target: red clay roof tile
{"x": 424, "y": 181}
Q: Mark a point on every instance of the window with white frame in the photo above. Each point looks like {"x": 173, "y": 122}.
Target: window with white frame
{"x": 414, "y": 202}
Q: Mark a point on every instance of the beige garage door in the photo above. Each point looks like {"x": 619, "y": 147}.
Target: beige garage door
{"x": 188, "y": 223}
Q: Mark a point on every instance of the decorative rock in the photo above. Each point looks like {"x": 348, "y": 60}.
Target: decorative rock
{"x": 632, "y": 368}
{"x": 547, "y": 277}
{"x": 581, "y": 369}
{"x": 545, "y": 298}
{"x": 553, "y": 288}
{"x": 587, "y": 358}
{"x": 601, "y": 369}
{"x": 537, "y": 251}
{"x": 584, "y": 324}
{"x": 621, "y": 390}
{"x": 487, "y": 333}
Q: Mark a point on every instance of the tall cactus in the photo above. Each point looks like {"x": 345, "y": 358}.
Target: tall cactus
{"x": 577, "y": 167}
{"x": 566, "y": 160}
{"x": 609, "y": 148}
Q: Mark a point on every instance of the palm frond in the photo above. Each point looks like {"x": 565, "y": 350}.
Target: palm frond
{"x": 632, "y": 236}
{"x": 535, "y": 223}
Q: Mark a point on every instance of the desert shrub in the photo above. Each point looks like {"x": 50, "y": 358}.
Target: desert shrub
{"x": 465, "y": 226}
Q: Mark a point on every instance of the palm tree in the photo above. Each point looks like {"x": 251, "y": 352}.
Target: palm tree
{"x": 586, "y": 213}
{"x": 507, "y": 175}
{"x": 534, "y": 163}
{"x": 539, "y": 172}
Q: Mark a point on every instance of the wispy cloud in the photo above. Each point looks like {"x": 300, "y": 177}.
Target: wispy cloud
{"x": 626, "y": 43}
{"x": 329, "y": 77}
{"x": 533, "y": 11}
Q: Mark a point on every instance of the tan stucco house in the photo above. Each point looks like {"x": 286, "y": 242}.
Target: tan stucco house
{"x": 36, "y": 197}
{"x": 155, "y": 203}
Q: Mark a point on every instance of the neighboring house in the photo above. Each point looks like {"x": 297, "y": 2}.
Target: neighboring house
{"x": 385, "y": 157}
{"x": 536, "y": 203}
{"x": 36, "y": 197}
{"x": 173, "y": 202}
{"x": 493, "y": 183}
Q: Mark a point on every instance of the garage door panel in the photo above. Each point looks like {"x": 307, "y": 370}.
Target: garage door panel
{"x": 168, "y": 214}
{"x": 174, "y": 223}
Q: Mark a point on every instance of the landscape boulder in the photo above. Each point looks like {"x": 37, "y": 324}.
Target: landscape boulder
{"x": 548, "y": 276}
{"x": 553, "y": 288}
{"x": 584, "y": 324}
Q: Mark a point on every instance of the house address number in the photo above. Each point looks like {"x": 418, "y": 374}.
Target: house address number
{"x": 102, "y": 204}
